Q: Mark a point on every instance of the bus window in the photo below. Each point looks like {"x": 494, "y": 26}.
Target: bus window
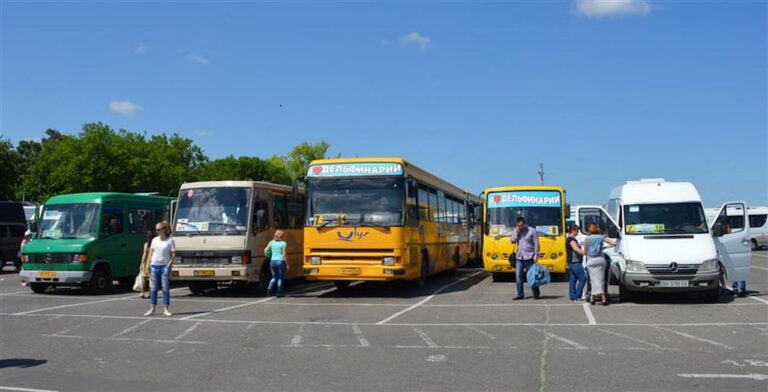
{"x": 279, "y": 210}
{"x": 140, "y": 220}
{"x": 112, "y": 220}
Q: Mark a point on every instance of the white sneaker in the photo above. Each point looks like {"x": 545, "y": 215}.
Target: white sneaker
{"x": 167, "y": 313}
{"x": 150, "y": 312}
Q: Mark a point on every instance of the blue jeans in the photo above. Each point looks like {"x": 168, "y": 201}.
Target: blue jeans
{"x": 278, "y": 276}
{"x": 577, "y": 278}
{"x": 520, "y": 276}
{"x": 740, "y": 286}
{"x": 159, "y": 276}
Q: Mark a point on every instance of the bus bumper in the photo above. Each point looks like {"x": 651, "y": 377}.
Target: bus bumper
{"x": 211, "y": 274}
{"x": 359, "y": 272}
{"x": 502, "y": 266}
{"x": 56, "y": 277}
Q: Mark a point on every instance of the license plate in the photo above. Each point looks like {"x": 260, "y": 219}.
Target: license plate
{"x": 674, "y": 283}
{"x": 204, "y": 273}
{"x": 351, "y": 271}
{"x": 47, "y": 274}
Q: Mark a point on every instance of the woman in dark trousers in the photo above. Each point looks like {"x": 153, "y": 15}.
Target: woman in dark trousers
{"x": 577, "y": 277}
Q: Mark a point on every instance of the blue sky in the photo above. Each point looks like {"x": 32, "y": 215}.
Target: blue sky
{"x": 477, "y": 93}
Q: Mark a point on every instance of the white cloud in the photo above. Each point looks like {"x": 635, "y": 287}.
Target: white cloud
{"x": 384, "y": 42}
{"x": 203, "y": 133}
{"x": 416, "y": 39}
{"x": 197, "y": 59}
{"x": 140, "y": 49}
{"x": 125, "y": 108}
{"x": 608, "y": 8}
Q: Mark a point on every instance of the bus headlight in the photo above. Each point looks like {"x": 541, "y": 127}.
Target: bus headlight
{"x": 636, "y": 266}
{"x": 553, "y": 256}
{"x": 389, "y": 260}
{"x": 316, "y": 260}
{"x": 25, "y": 258}
{"x": 709, "y": 266}
{"x": 237, "y": 259}
{"x": 494, "y": 256}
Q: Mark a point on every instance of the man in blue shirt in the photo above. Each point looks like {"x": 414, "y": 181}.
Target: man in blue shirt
{"x": 527, "y": 253}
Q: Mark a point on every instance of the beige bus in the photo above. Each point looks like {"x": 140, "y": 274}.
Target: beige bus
{"x": 222, "y": 227}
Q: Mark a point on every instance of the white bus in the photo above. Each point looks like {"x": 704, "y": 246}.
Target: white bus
{"x": 222, "y": 227}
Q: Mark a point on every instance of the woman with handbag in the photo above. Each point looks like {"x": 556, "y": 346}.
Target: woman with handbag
{"x": 142, "y": 280}
{"x": 278, "y": 264}
{"x": 593, "y": 248}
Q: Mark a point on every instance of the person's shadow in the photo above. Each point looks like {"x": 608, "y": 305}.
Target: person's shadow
{"x": 21, "y": 362}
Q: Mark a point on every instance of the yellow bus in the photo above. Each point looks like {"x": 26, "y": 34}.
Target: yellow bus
{"x": 543, "y": 208}
{"x": 384, "y": 219}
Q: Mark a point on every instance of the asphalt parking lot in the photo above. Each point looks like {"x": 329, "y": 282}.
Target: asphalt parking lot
{"x": 459, "y": 332}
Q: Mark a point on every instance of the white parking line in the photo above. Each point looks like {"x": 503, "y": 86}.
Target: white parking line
{"x": 564, "y": 340}
{"x": 760, "y": 268}
{"x": 124, "y": 339}
{"x": 753, "y": 376}
{"x": 759, "y": 255}
{"x": 227, "y": 308}
{"x": 423, "y": 335}
{"x": 590, "y": 316}
{"x": 188, "y": 331}
{"x": 360, "y": 338}
{"x": 416, "y": 305}
{"x": 712, "y": 342}
{"x": 621, "y": 335}
{"x": 131, "y": 328}
{"x": 2, "y": 388}
{"x": 71, "y": 305}
{"x": 480, "y": 331}
{"x": 759, "y": 299}
{"x": 349, "y": 323}
{"x": 297, "y": 338}
{"x": 16, "y": 292}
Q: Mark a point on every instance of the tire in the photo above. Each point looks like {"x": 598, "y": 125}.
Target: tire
{"x": 341, "y": 285}
{"x": 101, "y": 281}
{"x": 198, "y": 288}
{"x": 625, "y": 295}
{"x": 755, "y": 246}
{"x": 39, "y": 288}
{"x": 265, "y": 275}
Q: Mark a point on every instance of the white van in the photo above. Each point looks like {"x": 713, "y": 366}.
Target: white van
{"x": 665, "y": 243}
{"x": 758, "y": 226}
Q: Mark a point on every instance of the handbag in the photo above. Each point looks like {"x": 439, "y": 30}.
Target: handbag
{"x": 538, "y": 276}
{"x": 268, "y": 253}
{"x": 138, "y": 283}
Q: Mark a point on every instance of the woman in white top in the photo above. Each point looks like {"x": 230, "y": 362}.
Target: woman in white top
{"x": 162, "y": 252}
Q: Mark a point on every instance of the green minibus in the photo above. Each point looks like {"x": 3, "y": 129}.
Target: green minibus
{"x": 90, "y": 239}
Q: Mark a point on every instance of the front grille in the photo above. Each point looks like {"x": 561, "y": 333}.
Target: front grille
{"x": 50, "y": 258}
{"x": 682, "y": 269}
{"x": 344, "y": 256}
{"x": 205, "y": 258}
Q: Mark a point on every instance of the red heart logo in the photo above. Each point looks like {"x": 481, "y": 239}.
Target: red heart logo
{"x": 497, "y": 199}
{"x": 317, "y": 169}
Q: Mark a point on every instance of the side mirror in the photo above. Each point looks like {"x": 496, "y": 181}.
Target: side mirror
{"x": 718, "y": 230}
{"x": 567, "y": 210}
{"x": 33, "y": 226}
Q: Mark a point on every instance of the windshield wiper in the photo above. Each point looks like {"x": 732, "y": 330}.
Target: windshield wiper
{"x": 192, "y": 226}
{"x": 371, "y": 224}
{"x": 326, "y": 223}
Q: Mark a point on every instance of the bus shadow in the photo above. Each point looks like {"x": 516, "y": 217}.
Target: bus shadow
{"x": 444, "y": 283}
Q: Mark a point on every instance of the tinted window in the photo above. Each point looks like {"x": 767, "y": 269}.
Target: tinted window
{"x": 111, "y": 220}
{"x": 280, "y": 210}
{"x": 757, "y": 220}
{"x": 423, "y": 203}
{"x": 666, "y": 218}
{"x": 140, "y": 220}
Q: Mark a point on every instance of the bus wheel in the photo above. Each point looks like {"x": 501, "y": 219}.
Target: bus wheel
{"x": 198, "y": 288}
{"x": 101, "y": 281}
{"x": 424, "y": 272}
{"x": 265, "y": 275}
{"x": 39, "y": 288}
{"x": 341, "y": 285}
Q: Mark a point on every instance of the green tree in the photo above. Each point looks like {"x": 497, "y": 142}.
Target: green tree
{"x": 10, "y": 169}
{"x": 102, "y": 159}
{"x": 243, "y": 168}
{"x": 297, "y": 161}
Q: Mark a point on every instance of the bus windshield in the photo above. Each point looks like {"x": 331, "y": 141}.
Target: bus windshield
{"x": 542, "y": 210}
{"x": 356, "y": 201}
{"x": 213, "y": 211}
{"x": 68, "y": 221}
{"x": 667, "y": 218}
